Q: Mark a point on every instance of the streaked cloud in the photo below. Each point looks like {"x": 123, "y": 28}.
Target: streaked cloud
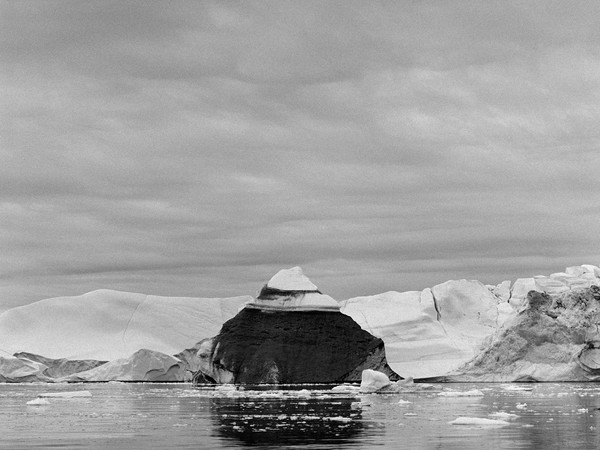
{"x": 194, "y": 148}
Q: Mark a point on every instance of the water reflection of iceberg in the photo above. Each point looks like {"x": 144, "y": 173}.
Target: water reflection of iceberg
{"x": 300, "y": 421}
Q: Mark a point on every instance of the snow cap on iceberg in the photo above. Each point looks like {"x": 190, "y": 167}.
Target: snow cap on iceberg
{"x": 291, "y": 280}
{"x": 291, "y": 290}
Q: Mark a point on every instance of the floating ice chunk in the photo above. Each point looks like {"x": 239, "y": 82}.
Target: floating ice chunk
{"x": 271, "y": 394}
{"x": 345, "y": 388}
{"x": 373, "y": 380}
{"x": 403, "y": 402}
{"x": 582, "y": 410}
{"x": 478, "y": 421}
{"x": 66, "y": 394}
{"x": 521, "y": 406}
{"x": 38, "y": 402}
{"x": 339, "y": 419}
{"x": 512, "y": 387}
{"x": 504, "y": 416}
{"x": 471, "y": 393}
{"x": 358, "y": 405}
{"x": 226, "y": 387}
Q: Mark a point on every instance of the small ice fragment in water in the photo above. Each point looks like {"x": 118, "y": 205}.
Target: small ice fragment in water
{"x": 410, "y": 414}
{"x": 512, "y": 387}
{"x": 340, "y": 419}
{"x": 269, "y": 394}
{"x": 66, "y": 394}
{"x": 472, "y": 393}
{"x": 582, "y": 410}
{"x": 38, "y": 402}
{"x": 225, "y": 387}
{"x": 403, "y": 402}
{"x": 345, "y": 388}
{"x": 358, "y": 405}
{"x": 521, "y": 406}
{"x": 477, "y": 421}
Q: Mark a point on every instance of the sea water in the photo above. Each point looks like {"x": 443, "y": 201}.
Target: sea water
{"x": 150, "y": 415}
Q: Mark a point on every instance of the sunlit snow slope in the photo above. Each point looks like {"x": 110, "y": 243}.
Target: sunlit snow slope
{"x": 107, "y": 325}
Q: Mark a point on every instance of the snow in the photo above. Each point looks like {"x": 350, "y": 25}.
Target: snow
{"x": 478, "y": 421}
{"x": 431, "y": 332}
{"x": 107, "y": 325}
{"x": 291, "y": 280}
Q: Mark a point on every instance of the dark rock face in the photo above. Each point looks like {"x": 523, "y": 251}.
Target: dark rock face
{"x": 60, "y": 367}
{"x": 282, "y": 347}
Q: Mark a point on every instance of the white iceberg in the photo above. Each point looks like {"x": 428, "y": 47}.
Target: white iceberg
{"x": 478, "y": 421}
{"x": 431, "y": 332}
{"x": 107, "y": 325}
{"x": 143, "y": 365}
{"x": 373, "y": 381}
{"x": 38, "y": 402}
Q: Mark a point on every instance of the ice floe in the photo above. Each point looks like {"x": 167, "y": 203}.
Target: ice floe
{"x": 478, "y": 421}
{"x": 38, "y": 402}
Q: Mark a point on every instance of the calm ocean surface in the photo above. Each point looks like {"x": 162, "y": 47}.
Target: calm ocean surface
{"x": 120, "y": 415}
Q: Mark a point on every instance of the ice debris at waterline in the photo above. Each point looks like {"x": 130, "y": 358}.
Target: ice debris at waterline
{"x": 431, "y": 333}
{"x": 291, "y": 333}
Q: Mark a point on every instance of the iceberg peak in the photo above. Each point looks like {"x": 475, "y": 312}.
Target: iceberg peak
{"x": 291, "y": 280}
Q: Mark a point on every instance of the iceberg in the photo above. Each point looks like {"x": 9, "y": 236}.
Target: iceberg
{"x": 478, "y": 421}
{"x": 38, "y": 402}
{"x": 290, "y": 335}
{"x": 431, "y": 332}
{"x": 460, "y": 328}
{"x": 16, "y": 370}
{"x": 554, "y": 338}
{"x": 143, "y": 365}
{"x": 105, "y": 325}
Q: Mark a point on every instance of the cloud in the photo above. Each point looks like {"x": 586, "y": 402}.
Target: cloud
{"x": 194, "y": 148}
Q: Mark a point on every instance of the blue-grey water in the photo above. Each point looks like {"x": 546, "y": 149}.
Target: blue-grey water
{"x": 119, "y": 415}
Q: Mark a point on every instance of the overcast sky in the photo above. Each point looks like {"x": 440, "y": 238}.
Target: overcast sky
{"x": 195, "y": 148}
